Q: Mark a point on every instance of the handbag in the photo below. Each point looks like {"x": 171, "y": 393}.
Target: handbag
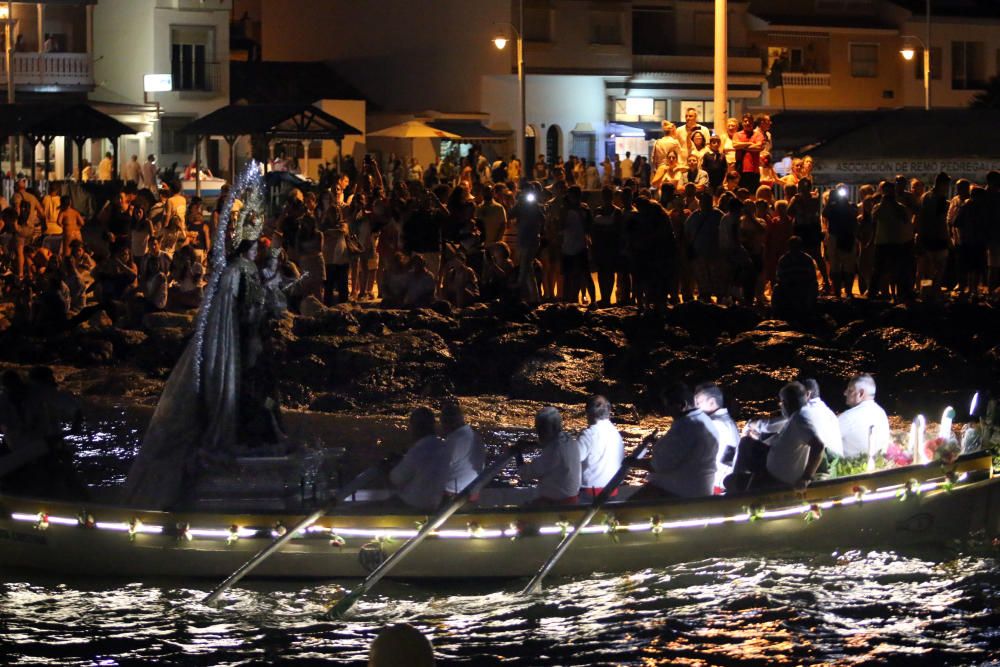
{"x": 354, "y": 245}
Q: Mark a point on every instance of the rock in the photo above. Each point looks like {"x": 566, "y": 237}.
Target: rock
{"x": 168, "y": 320}
{"x": 596, "y": 338}
{"x": 311, "y": 307}
{"x": 99, "y": 321}
{"x": 556, "y": 374}
{"x": 414, "y": 362}
{"x": 96, "y": 351}
{"x": 337, "y": 321}
{"x": 774, "y": 348}
{"x": 847, "y": 335}
{"x": 162, "y": 348}
{"x": 487, "y": 358}
{"x": 755, "y": 387}
{"x": 333, "y": 402}
{"x": 558, "y": 317}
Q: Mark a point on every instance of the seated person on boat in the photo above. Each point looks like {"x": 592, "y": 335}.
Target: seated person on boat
{"x": 709, "y": 399}
{"x": 466, "y": 453}
{"x": 788, "y": 458}
{"x": 601, "y": 448}
{"x": 557, "y": 468}
{"x": 824, "y": 419}
{"x": 864, "y": 418}
{"x": 420, "y": 476}
{"x": 683, "y": 461}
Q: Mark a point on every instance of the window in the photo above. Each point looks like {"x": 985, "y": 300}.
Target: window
{"x": 703, "y": 33}
{"x": 918, "y": 63}
{"x": 968, "y": 65}
{"x": 652, "y": 32}
{"x": 706, "y": 112}
{"x": 537, "y": 21}
{"x": 622, "y": 116}
{"x": 864, "y": 60}
{"x": 171, "y": 140}
{"x": 190, "y": 58}
{"x": 605, "y": 27}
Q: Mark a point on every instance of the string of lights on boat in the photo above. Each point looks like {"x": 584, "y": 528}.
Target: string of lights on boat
{"x": 337, "y": 535}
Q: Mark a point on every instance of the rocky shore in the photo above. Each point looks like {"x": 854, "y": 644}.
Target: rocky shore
{"x": 508, "y": 360}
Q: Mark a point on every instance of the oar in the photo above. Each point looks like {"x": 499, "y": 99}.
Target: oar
{"x": 339, "y": 609}
{"x": 535, "y": 585}
{"x": 343, "y": 493}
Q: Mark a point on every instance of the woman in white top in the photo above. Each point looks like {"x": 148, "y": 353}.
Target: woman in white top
{"x": 557, "y": 468}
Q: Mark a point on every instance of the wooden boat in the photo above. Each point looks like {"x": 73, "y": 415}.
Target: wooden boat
{"x": 891, "y": 508}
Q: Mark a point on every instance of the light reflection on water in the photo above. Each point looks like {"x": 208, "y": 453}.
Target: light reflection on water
{"x": 932, "y": 608}
{"x": 855, "y": 608}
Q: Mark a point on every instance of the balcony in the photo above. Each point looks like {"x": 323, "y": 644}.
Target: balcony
{"x": 741, "y": 61}
{"x": 195, "y": 77}
{"x": 50, "y": 72}
{"x": 803, "y": 80}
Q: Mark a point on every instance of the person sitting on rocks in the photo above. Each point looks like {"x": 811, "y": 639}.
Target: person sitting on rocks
{"x": 789, "y": 458}
{"x": 419, "y": 478}
{"x": 186, "y": 277}
{"x": 78, "y": 274}
{"x": 683, "y": 461}
{"x": 116, "y": 276}
{"x": 155, "y": 267}
{"x": 460, "y": 286}
{"x": 397, "y": 277}
{"x": 796, "y": 289}
{"x": 422, "y": 284}
{"x": 466, "y": 453}
{"x": 601, "y": 448}
{"x": 557, "y": 468}
{"x": 709, "y": 399}
{"x": 864, "y": 426}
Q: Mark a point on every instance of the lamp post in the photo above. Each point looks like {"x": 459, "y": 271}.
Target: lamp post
{"x": 500, "y": 41}
{"x": 7, "y": 16}
{"x": 908, "y": 52}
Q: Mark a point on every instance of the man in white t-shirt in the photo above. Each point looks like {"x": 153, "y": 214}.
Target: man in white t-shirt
{"x": 790, "y": 457}
{"x": 466, "y": 453}
{"x": 420, "y": 476}
{"x": 824, "y": 419}
{"x": 684, "y": 132}
{"x": 708, "y": 397}
{"x": 863, "y": 419}
{"x": 601, "y": 448}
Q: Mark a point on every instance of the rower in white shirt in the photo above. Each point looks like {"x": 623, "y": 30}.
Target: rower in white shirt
{"x": 557, "y": 468}
{"x": 466, "y": 453}
{"x": 419, "y": 478}
{"x": 823, "y": 419}
{"x": 601, "y": 448}
{"x": 863, "y": 418}
{"x": 708, "y": 398}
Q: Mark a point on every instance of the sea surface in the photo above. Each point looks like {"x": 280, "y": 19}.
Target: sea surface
{"x": 939, "y": 607}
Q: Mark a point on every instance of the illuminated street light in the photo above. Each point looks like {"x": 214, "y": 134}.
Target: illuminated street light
{"x": 500, "y": 41}
{"x": 907, "y": 52}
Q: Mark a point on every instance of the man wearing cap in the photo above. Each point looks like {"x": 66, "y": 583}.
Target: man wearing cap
{"x": 932, "y": 237}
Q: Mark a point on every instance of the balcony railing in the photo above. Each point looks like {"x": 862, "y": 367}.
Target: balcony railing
{"x": 50, "y": 69}
{"x": 803, "y": 80}
{"x": 741, "y": 61}
{"x": 197, "y": 77}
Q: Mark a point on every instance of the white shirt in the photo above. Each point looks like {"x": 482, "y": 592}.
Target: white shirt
{"x": 855, "y": 424}
{"x": 789, "y": 449}
{"x": 132, "y": 171}
{"x": 421, "y": 475}
{"x": 827, "y": 426}
{"x": 684, "y": 138}
{"x": 557, "y": 469}
{"x": 466, "y": 456}
{"x": 148, "y": 174}
{"x": 729, "y": 436}
{"x": 684, "y": 459}
{"x": 601, "y": 453}
{"x": 626, "y": 166}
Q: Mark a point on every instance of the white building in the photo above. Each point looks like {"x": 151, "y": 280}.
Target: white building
{"x": 187, "y": 39}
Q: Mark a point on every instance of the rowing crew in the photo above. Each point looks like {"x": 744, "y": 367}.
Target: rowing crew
{"x": 702, "y": 453}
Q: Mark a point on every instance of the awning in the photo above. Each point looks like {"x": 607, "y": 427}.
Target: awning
{"x": 468, "y": 130}
{"x": 619, "y": 130}
{"x": 276, "y": 121}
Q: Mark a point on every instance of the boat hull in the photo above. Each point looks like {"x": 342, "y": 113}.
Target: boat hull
{"x": 506, "y": 542}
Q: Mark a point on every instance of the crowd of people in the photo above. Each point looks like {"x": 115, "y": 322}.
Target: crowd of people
{"x": 702, "y": 454}
{"x": 704, "y": 218}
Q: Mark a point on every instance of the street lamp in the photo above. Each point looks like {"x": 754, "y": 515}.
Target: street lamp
{"x": 500, "y": 41}
{"x": 908, "y": 52}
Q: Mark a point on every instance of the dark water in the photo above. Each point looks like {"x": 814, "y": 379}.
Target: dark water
{"x": 855, "y": 608}
{"x": 851, "y": 609}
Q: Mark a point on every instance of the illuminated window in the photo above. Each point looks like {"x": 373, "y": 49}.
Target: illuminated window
{"x": 622, "y": 115}
{"x": 864, "y": 60}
